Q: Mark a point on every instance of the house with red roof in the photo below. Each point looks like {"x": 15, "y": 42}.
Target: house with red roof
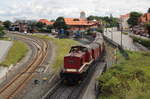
{"x": 45, "y": 21}
{"x": 145, "y": 18}
{"x": 125, "y": 16}
{"x": 123, "y": 20}
{"x": 81, "y": 24}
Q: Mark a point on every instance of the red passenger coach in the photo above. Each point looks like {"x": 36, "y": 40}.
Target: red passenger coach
{"x": 79, "y": 59}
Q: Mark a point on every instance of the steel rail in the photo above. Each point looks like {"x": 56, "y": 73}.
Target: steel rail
{"x": 11, "y": 89}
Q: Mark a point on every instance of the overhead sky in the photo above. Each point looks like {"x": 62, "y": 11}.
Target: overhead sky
{"x": 51, "y": 9}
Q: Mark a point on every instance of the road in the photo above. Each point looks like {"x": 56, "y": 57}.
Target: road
{"x": 115, "y": 35}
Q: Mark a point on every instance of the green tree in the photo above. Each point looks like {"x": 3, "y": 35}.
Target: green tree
{"x": 110, "y": 21}
{"x": 60, "y": 23}
{"x": 7, "y": 24}
{"x": 2, "y": 33}
{"x": 149, "y": 10}
{"x": 40, "y": 25}
{"x": 52, "y": 20}
{"x": 90, "y": 18}
{"x": 49, "y": 27}
{"x": 133, "y": 20}
{"x": 32, "y": 26}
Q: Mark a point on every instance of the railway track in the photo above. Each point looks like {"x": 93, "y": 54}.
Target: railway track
{"x": 62, "y": 91}
{"x": 11, "y": 89}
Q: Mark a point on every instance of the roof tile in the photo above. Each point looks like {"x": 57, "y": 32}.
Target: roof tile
{"x": 46, "y": 22}
{"x": 77, "y": 21}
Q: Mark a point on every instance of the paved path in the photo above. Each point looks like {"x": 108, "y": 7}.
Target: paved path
{"x": 90, "y": 91}
{"x": 109, "y": 59}
{"x": 115, "y": 35}
{"x": 4, "y": 47}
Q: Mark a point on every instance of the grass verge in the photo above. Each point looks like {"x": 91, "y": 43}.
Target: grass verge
{"x": 4, "y": 38}
{"x": 15, "y": 54}
{"x": 128, "y": 79}
{"x": 125, "y": 33}
{"x": 62, "y": 49}
{"x": 144, "y": 42}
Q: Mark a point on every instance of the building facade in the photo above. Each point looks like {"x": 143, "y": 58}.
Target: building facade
{"x": 145, "y": 18}
{"x": 78, "y": 24}
{"x": 124, "y": 21}
{"x": 82, "y": 15}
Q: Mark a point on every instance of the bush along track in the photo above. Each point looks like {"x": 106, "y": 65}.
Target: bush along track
{"x": 144, "y": 42}
{"x": 128, "y": 79}
{"x": 15, "y": 53}
{"x": 62, "y": 49}
{"x": 5, "y": 38}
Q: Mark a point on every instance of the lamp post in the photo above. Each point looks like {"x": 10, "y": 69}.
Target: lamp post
{"x": 121, "y": 34}
{"x": 112, "y": 34}
{"x": 106, "y": 27}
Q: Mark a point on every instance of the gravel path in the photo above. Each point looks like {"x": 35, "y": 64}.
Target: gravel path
{"x": 9, "y": 73}
{"x": 90, "y": 92}
{"x": 36, "y": 91}
{"x": 4, "y": 48}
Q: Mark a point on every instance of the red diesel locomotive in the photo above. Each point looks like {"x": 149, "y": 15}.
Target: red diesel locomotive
{"x": 77, "y": 62}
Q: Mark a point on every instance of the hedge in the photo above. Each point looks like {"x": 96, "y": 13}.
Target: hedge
{"x": 144, "y": 42}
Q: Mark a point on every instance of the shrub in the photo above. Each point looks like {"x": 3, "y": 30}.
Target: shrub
{"x": 101, "y": 30}
{"x": 144, "y": 42}
{"x": 129, "y": 79}
{"x": 2, "y": 33}
{"x": 7, "y": 24}
{"x": 125, "y": 33}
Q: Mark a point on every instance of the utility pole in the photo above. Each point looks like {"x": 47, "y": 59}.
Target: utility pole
{"x": 121, "y": 35}
{"x": 106, "y": 27}
{"x": 111, "y": 33}
{"x": 121, "y": 29}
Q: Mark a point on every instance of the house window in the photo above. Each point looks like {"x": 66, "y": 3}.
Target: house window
{"x": 75, "y": 19}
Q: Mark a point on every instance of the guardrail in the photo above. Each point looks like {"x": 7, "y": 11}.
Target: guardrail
{"x": 124, "y": 53}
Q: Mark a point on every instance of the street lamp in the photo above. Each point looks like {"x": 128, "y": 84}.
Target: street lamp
{"x": 107, "y": 30}
{"x": 121, "y": 34}
{"x": 112, "y": 34}
{"x": 106, "y": 27}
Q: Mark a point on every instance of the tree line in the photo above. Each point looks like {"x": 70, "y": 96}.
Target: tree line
{"x": 107, "y": 21}
{"x": 134, "y": 20}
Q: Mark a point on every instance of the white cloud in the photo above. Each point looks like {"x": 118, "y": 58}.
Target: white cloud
{"x": 2, "y": 12}
{"x": 117, "y": 7}
{"x": 50, "y": 9}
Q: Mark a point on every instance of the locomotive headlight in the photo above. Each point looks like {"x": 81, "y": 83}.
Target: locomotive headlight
{"x": 71, "y": 70}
